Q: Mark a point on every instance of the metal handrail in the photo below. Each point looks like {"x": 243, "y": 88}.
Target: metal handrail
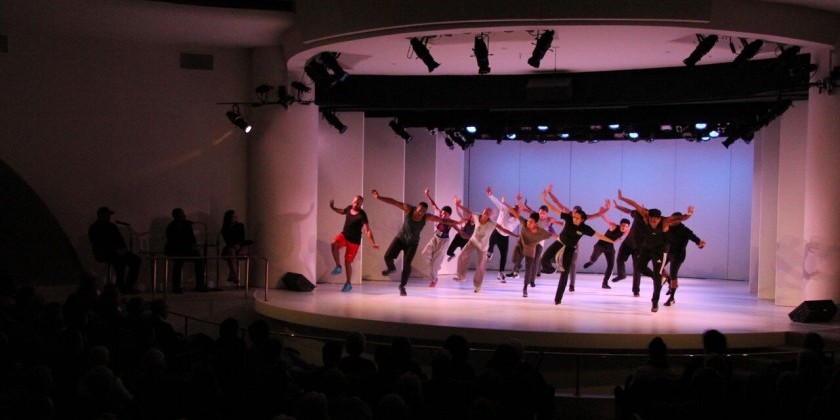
{"x": 154, "y": 257}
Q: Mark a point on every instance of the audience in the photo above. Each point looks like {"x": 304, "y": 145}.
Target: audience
{"x": 100, "y": 356}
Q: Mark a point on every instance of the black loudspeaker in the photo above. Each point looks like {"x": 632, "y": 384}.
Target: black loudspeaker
{"x": 297, "y": 282}
{"x": 813, "y": 311}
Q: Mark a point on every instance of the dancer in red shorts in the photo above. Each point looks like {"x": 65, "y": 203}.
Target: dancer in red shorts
{"x": 355, "y": 222}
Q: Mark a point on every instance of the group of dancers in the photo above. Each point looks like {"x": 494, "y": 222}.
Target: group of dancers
{"x": 653, "y": 241}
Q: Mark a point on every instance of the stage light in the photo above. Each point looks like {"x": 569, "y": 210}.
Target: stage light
{"x": 702, "y": 49}
{"x": 564, "y": 135}
{"x": 329, "y": 115}
{"x": 748, "y": 52}
{"x": 422, "y": 52}
{"x": 457, "y": 138}
{"x": 700, "y": 126}
{"x": 729, "y": 141}
{"x": 471, "y": 129}
{"x": 330, "y": 59}
{"x": 542, "y": 127}
{"x": 511, "y": 136}
{"x": 236, "y": 118}
{"x": 666, "y": 127}
{"x": 614, "y": 126}
{"x": 481, "y": 55}
{"x": 318, "y": 73}
{"x": 705, "y": 138}
{"x": 543, "y": 44}
{"x": 448, "y": 141}
{"x": 595, "y": 127}
{"x": 714, "y": 133}
{"x": 633, "y": 135}
{"x": 400, "y": 130}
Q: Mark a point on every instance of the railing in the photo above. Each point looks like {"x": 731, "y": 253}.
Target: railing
{"x": 610, "y": 368}
{"x": 155, "y": 258}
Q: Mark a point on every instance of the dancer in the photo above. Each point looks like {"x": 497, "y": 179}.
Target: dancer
{"x": 627, "y": 250}
{"x": 615, "y": 232}
{"x": 479, "y": 242}
{"x": 350, "y": 237}
{"x": 573, "y": 229}
{"x": 463, "y": 235}
{"x": 530, "y": 235}
{"x": 499, "y": 239}
{"x": 433, "y": 251}
{"x": 408, "y": 236}
{"x": 678, "y": 235}
{"x": 550, "y": 254}
{"x": 546, "y": 222}
{"x": 653, "y": 246}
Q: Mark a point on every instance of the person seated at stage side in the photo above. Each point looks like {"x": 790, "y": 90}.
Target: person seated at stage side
{"x": 109, "y": 247}
{"x": 233, "y": 233}
{"x": 181, "y": 242}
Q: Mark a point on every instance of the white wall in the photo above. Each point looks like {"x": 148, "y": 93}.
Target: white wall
{"x": 666, "y": 174}
{"x": 91, "y": 122}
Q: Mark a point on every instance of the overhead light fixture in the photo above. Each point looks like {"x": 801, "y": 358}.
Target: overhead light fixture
{"x": 542, "y": 128}
{"x": 748, "y": 52}
{"x": 633, "y": 135}
{"x": 703, "y": 48}
{"x": 422, "y": 52}
{"x": 471, "y": 129}
{"x": 329, "y": 115}
{"x": 236, "y": 118}
{"x": 614, "y": 126}
{"x": 300, "y": 87}
{"x": 400, "y": 130}
{"x": 455, "y": 137}
{"x": 701, "y": 126}
{"x": 330, "y": 60}
{"x": 564, "y": 135}
{"x": 542, "y": 47}
{"x": 318, "y": 73}
{"x": 481, "y": 55}
{"x": 511, "y": 136}
{"x": 448, "y": 141}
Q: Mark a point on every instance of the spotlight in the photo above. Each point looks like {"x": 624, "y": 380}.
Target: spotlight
{"x": 702, "y": 49}
{"x": 542, "y": 128}
{"x": 481, "y": 55}
{"x": 329, "y": 115}
{"x": 457, "y": 138}
{"x": 748, "y": 52}
{"x": 666, "y": 127}
{"x": 422, "y": 52}
{"x": 543, "y": 44}
{"x": 700, "y": 126}
{"x": 318, "y": 73}
{"x": 471, "y": 129}
{"x": 236, "y": 118}
{"x": 614, "y": 126}
{"x": 564, "y": 135}
{"x": 511, "y": 136}
{"x": 330, "y": 59}
{"x": 714, "y": 133}
{"x": 400, "y": 130}
{"x": 448, "y": 141}
{"x": 633, "y": 135}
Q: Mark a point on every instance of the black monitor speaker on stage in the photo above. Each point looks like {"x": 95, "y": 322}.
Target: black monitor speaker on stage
{"x": 813, "y": 311}
{"x": 297, "y": 282}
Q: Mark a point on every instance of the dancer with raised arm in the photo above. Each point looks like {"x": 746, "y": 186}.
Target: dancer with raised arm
{"x": 546, "y": 222}
{"x": 550, "y": 254}
{"x": 530, "y": 235}
{"x": 615, "y": 232}
{"x": 628, "y": 249}
{"x": 350, "y": 237}
{"x": 463, "y": 236}
{"x": 408, "y": 237}
{"x": 434, "y": 249}
{"x": 653, "y": 245}
{"x": 678, "y": 236}
{"x": 499, "y": 239}
{"x": 479, "y": 242}
{"x": 574, "y": 229}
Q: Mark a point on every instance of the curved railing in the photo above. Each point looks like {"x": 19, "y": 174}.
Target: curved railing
{"x": 155, "y": 258}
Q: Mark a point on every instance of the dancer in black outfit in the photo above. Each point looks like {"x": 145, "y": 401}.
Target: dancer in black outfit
{"x": 464, "y": 234}
{"x": 408, "y": 236}
{"x": 615, "y": 232}
{"x": 678, "y": 235}
{"x": 653, "y": 246}
{"x": 573, "y": 229}
{"x": 627, "y": 249}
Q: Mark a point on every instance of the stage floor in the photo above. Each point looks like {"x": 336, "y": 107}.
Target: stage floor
{"x": 589, "y": 318}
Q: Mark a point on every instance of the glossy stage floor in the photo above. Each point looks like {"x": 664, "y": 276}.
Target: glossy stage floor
{"x": 589, "y": 318}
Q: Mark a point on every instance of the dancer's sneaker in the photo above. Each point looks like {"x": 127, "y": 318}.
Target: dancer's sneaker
{"x": 336, "y": 271}
{"x": 502, "y": 277}
{"x": 347, "y": 287}
{"x": 618, "y": 278}
{"x": 670, "y": 302}
{"x": 433, "y": 283}
{"x": 477, "y": 289}
{"x": 587, "y": 264}
{"x": 571, "y": 288}
{"x": 654, "y": 308}
{"x": 533, "y": 284}
{"x": 605, "y": 286}
{"x": 402, "y": 291}
{"x": 388, "y": 272}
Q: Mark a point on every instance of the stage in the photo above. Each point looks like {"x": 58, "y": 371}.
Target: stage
{"x": 589, "y": 318}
